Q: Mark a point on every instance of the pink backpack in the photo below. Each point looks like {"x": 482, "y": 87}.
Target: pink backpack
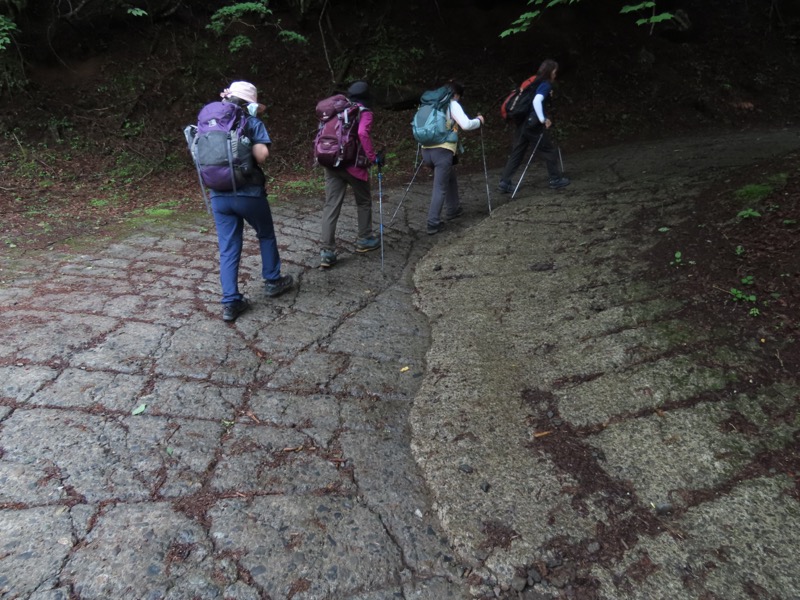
{"x": 336, "y": 143}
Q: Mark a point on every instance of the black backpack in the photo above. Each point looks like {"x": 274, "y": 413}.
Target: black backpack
{"x": 518, "y": 103}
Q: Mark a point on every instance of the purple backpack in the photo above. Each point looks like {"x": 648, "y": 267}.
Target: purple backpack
{"x": 222, "y": 153}
{"x": 336, "y": 143}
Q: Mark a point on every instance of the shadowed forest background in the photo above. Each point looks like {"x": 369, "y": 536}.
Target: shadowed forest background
{"x": 95, "y": 94}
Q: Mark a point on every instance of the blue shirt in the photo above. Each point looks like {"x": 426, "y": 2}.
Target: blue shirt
{"x": 544, "y": 88}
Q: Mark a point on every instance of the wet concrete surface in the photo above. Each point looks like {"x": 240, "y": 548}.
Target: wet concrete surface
{"x": 496, "y": 404}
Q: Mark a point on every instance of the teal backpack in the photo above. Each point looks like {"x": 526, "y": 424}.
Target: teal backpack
{"x": 430, "y": 122}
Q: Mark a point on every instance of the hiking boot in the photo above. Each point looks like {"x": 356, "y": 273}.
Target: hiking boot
{"x": 559, "y": 182}
{"x": 505, "y": 187}
{"x": 233, "y": 309}
{"x": 368, "y": 244}
{"x": 327, "y": 259}
{"x": 459, "y": 211}
{"x": 434, "y": 229}
{"x": 277, "y": 287}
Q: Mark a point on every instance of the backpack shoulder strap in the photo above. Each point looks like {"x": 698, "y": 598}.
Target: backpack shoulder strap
{"x": 446, "y": 96}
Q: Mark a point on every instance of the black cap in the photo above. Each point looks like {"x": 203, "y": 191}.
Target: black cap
{"x": 359, "y": 92}
{"x": 358, "y": 89}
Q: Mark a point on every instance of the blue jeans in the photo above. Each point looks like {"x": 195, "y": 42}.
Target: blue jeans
{"x": 230, "y": 213}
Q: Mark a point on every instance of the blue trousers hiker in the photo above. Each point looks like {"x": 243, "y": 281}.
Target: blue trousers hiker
{"x": 230, "y": 213}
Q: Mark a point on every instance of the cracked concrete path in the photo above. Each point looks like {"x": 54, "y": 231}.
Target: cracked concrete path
{"x": 337, "y": 443}
{"x": 273, "y": 457}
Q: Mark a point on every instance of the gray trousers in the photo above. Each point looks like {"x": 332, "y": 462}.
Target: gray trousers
{"x": 445, "y": 184}
{"x": 336, "y": 182}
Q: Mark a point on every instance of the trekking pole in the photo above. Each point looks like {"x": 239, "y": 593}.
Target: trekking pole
{"x": 380, "y": 200}
{"x": 560, "y": 159}
{"x": 190, "y": 132}
{"x": 528, "y": 165}
{"x": 204, "y": 191}
{"x": 486, "y": 174}
{"x": 405, "y": 194}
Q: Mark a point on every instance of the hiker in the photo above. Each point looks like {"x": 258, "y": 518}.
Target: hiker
{"x": 528, "y": 130}
{"x": 442, "y": 158}
{"x": 247, "y": 203}
{"x": 356, "y": 175}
